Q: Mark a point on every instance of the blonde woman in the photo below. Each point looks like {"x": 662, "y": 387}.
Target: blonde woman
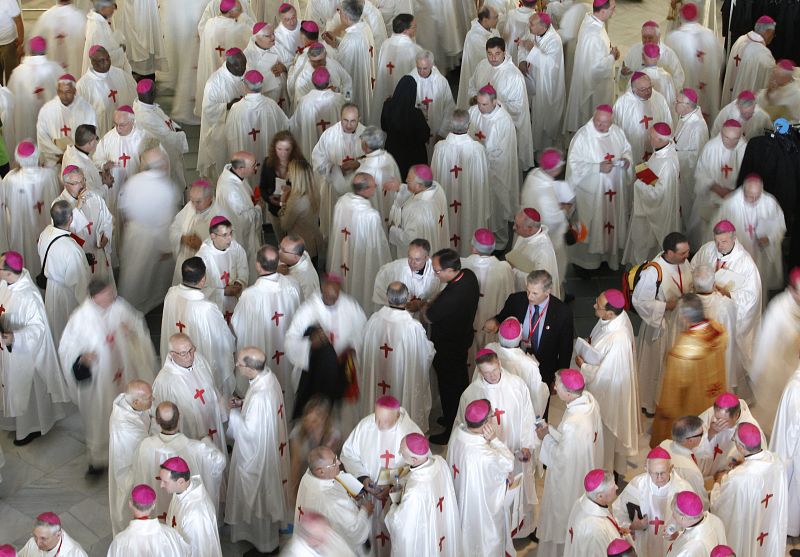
{"x": 299, "y": 211}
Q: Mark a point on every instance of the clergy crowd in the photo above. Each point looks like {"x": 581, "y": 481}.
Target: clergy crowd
{"x": 364, "y": 315}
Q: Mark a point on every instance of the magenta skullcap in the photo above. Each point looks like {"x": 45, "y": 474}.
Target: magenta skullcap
{"x": 67, "y": 77}
{"x": 722, "y": 551}
{"x": 70, "y": 168}
{"x": 175, "y": 464}
{"x": 258, "y": 27}
{"x": 794, "y": 276}
{"x": 748, "y": 434}
{"x": 309, "y": 26}
{"x": 726, "y": 400}
{"x": 689, "y": 11}
{"x": 690, "y": 94}
{"x": 7, "y": 551}
{"x": 144, "y": 86}
{"x": 285, "y": 7}
{"x": 649, "y": 23}
{"x": 572, "y": 379}
{"x": 417, "y": 444}
{"x": 226, "y": 5}
{"x": 201, "y": 184}
{"x": 746, "y": 95}
{"x": 321, "y": 76}
{"x": 651, "y": 50}
{"x": 604, "y": 108}
{"x": 593, "y": 479}
{"x": 233, "y": 51}
{"x": 94, "y": 48}
{"x": 786, "y": 64}
{"x": 550, "y": 159}
{"x": 37, "y": 44}
{"x": 510, "y": 328}
{"x": 49, "y": 518}
{"x": 483, "y": 237}
{"x": 719, "y": 228}
{"x": 544, "y": 18}
{"x": 636, "y": 75}
{"x": 615, "y": 298}
{"x": 752, "y": 176}
{"x": 731, "y": 123}
{"x": 423, "y": 172}
{"x": 477, "y": 410}
{"x": 488, "y": 90}
{"x": 659, "y": 453}
{"x": 219, "y": 219}
{"x": 689, "y": 503}
{"x": 599, "y": 3}
{"x": 485, "y": 352}
{"x": 662, "y": 128}
{"x": 14, "y": 261}
{"x": 335, "y": 278}
{"x": 26, "y": 148}
{"x": 765, "y": 19}
{"x": 388, "y": 401}
{"x": 617, "y": 547}
{"x": 125, "y": 108}
{"x": 143, "y": 495}
{"x": 253, "y": 76}
{"x": 316, "y": 45}
{"x": 532, "y": 214}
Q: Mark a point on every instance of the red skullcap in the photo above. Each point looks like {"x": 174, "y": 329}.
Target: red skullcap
{"x": 309, "y": 26}
{"x": 722, "y": 551}
{"x": 689, "y": 503}
{"x": 488, "y": 90}
{"x": 144, "y": 86}
{"x": 765, "y": 19}
{"x": 332, "y": 277}
{"x": 227, "y": 5}
{"x": 485, "y": 352}
{"x": 651, "y": 50}
{"x": 258, "y": 27}
{"x": 599, "y": 3}
{"x": 285, "y": 7}
{"x": 125, "y": 108}
{"x": 689, "y": 11}
{"x": 483, "y": 237}
{"x": 662, "y": 128}
{"x": 423, "y": 172}
{"x": 726, "y": 400}
{"x": 636, "y": 75}
{"x": 26, "y": 148}
{"x": 477, "y": 410}
{"x": 14, "y": 261}
{"x": 724, "y": 226}
{"x": 690, "y": 94}
{"x": 615, "y": 298}
{"x": 94, "y": 48}
{"x": 388, "y": 401}
{"x": 37, "y": 44}
{"x": 748, "y": 434}
{"x": 233, "y": 51}
{"x": 69, "y": 169}
{"x": 417, "y": 444}
{"x": 746, "y": 96}
{"x": 544, "y": 18}
{"x": 659, "y": 453}
{"x": 253, "y": 76}
{"x": 786, "y": 64}
{"x": 321, "y": 76}
{"x": 617, "y": 547}
{"x": 49, "y": 518}
{"x": 649, "y": 23}
{"x": 67, "y": 77}
{"x": 510, "y": 329}
{"x": 7, "y": 551}
{"x": 175, "y": 464}
{"x": 316, "y": 45}
{"x": 550, "y": 158}
{"x": 731, "y": 123}
{"x": 143, "y": 495}
{"x": 572, "y": 379}
{"x": 201, "y": 184}
{"x": 532, "y": 214}
{"x": 604, "y": 108}
{"x": 593, "y": 479}
{"x": 218, "y": 220}
{"x": 752, "y": 176}
{"x": 794, "y": 276}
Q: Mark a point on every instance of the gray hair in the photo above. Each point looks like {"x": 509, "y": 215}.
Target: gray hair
{"x": 686, "y": 427}
{"x": 155, "y": 159}
{"x": 52, "y": 528}
{"x": 100, "y": 4}
{"x": 690, "y": 309}
{"x": 397, "y": 294}
{"x": 540, "y": 276}
{"x": 60, "y": 213}
{"x": 353, "y": 9}
{"x": 253, "y": 87}
{"x": 361, "y": 182}
{"x": 426, "y": 55}
{"x": 703, "y": 278}
{"x": 762, "y": 28}
{"x": 608, "y": 481}
{"x": 374, "y": 137}
{"x": 459, "y": 121}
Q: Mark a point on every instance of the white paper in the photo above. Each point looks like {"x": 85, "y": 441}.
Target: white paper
{"x": 350, "y": 483}
{"x": 587, "y": 352}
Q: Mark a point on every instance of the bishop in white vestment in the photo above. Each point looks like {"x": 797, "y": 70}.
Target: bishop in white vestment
{"x": 750, "y": 61}
{"x": 668, "y": 60}
{"x": 315, "y": 111}
{"x": 59, "y": 118}
{"x": 419, "y": 211}
{"x": 717, "y": 446}
{"x": 106, "y": 88}
{"x": 481, "y": 29}
{"x": 190, "y": 226}
{"x": 434, "y": 97}
{"x": 687, "y": 432}
{"x": 48, "y": 537}
{"x": 691, "y": 135}
{"x": 235, "y": 200}
{"x": 100, "y": 31}
{"x": 533, "y": 250}
{"x": 397, "y": 56}
{"x": 271, "y": 61}
{"x": 636, "y": 111}
{"x": 784, "y": 445}
{"x": 381, "y": 165}
{"x": 415, "y": 271}
{"x": 744, "y": 109}
{"x": 699, "y": 531}
{"x": 226, "y": 266}
{"x": 64, "y": 27}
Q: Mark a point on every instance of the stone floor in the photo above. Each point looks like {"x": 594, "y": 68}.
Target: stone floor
{"x": 49, "y": 473}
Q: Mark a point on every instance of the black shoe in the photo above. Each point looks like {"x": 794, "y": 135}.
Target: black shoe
{"x": 441, "y": 421}
{"x": 256, "y": 553}
{"x": 28, "y": 439}
{"x": 648, "y": 414}
{"x": 92, "y": 471}
{"x": 440, "y": 438}
{"x": 533, "y": 537}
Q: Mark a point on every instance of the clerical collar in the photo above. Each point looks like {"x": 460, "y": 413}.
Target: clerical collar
{"x": 658, "y": 149}
{"x": 420, "y": 272}
{"x": 82, "y": 151}
{"x": 268, "y": 276}
{"x": 234, "y": 173}
{"x": 190, "y": 286}
{"x": 598, "y": 504}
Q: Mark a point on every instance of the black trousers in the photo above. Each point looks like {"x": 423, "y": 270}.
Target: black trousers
{"x": 452, "y": 375}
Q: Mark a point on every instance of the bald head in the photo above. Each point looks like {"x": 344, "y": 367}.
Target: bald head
{"x": 251, "y": 361}
{"x": 243, "y": 164}
{"x": 319, "y": 458}
{"x": 139, "y": 395}
{"x": 155, "y": 159}
{"x": 167, "y": 417}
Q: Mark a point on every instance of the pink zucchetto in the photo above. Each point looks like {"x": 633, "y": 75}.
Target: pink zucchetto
{"x": 636, "y": 75}
{"x": 94, "y": 48}
{"x": 285, "y": 7}
{"x": 662, "y": 128}
{"x": 550, "y": 159}
{"x": 423, "y": 172}
{"x": 125, "y": 108}
{"x": 67, "y": 78}
{"x": 617, "y": 547}
{"x": 649, "y": 23}
{"x": 794, "y": 276}
{"x": 219, "y": 219}
{"x": 748, "y": 434}
{"x": 765, "y": 19}
{"x": 510, "y": 329}
{"x": 746, "y": 95}
{"x": 49, "y": 518}
{"x": 69, "y": 169}
{"x": 690, "y": 94}
{"x": 201, "y": 184}
{"x": 599, "y": 3}
{"x": 689, "y": 503}
{"x": 485, "y": 352}
{"x": 227, "y": 5}
{"x": 659, "y": 453}
{"x": 7, "y": 551}
{"x": 233, "y": 51}
{"x": 722, "y": 551}
{"x": 544, "y": 18}
{"x": 532, "y": 214}
{"x": 26, "y": 148}
{"x": 727, "y": 400}
{"x": 388, "y": 401}
{"x": 593, "y": 479}
{"x": 722, "y": 227}
{"x": 37, "y": 44}
{"x": 651, "y": 50}
{"x": 321, "y": 76}
{"x": 258, "y": 27}
{"x": 604, "y": 108}
{"x": 731, "y": 123}
{"x": 572, "y": 379}
{"x": 483, "y": 237}
{"x": 143, "y": 495}
{"x": 14, "y": 261}
{"x": 614, "y": 298}
{"x": 334, "y": 278}
{"x": 309, "y": 26}
{"x": 144, "y": 86}
{"x": 488, "y": 90}
{"x": 417, "y": 444}
{"x": 175, "y": 464}
{"x": 689, "y": 11}
{"x": 786, "y": 64}
{"x": 477, "y": 410}
{"x": 253, "y": 76}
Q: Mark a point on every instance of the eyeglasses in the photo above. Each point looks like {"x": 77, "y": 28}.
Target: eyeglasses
{"x": 184, "y": 353}
{"x": 695, "y": 436}
{"x": 331, "y": 465}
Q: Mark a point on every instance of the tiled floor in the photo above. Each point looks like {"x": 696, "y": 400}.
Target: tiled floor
{"x": 49, "y": 473}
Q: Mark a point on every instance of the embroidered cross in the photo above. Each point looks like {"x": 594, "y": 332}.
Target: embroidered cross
{"x": 726, "y": 170}
{"x": 276, "y": 317}
{"x": 211, "y": 433}
{"x": 180, "y": 326}
{"x": 440, "y": 504}
{"x": 610, "y": 194}
{"x": 608, "y": 157}
{"x": 737, "y": 59}
{"x": 656, "y": 522}
{"x": 455, "y": 471}
{"x": 344, "y": 268}
{"x": 38, "y": 206}
{"x": 280, "y": 410}
{"x": 198, "y": 393}
{"x": 645, "y": 121}
{"x": 254, "y": 132}
{"x": 220, "y": 50}
{"x": 455, "y": 205}
{"x": 497, "y": 414}
{"x": 225, "y": 277}
{"x": 766, "y": 499}
{"x": 384, "y": 386}
{"x": 163, "y": 516}
{"x": 479, "y": 135}
{"x": 390, "y": 67}
{"x": 761, "y": 537}
{"x": 125, "y": 158}
{"x": 387, "y": 456}
{"x": 717, "y": 451}
{"x": 65, "y": 130}
{"x": 594, "y": 439}
{"x": 456, "y": 169}
{"x": 112, "y": 94}
{"x": 441, "y": 221}
{"x": 441, "y": 543}
{"x": 386, "y": 349}
{"x": 323, "y": 124}
{"x": 346, "y": 233}
{"x": 608, "y": 228}
{"x": 700, "y": 55}
{"x": 383, "y": 537}
{"x": 455, "y": 239}
{"x": 89, "y": 227}
{"x": 281, "y": 447}
{"x": 38, "y": 91}
{"x": 571, "y": 533}
{"x": 277, "y": 357}
{"x": 426, "y": 101}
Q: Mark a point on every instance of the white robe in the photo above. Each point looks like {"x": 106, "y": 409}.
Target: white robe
{"x": 684, "y": 463}
{"x": 186, "y": 223}
{"x": 235, "y": 200}
{"x": 153, "y": 120}
{"x": 439, "y": 30}
{"x": 252, "y": 122}
{"x": 32, "y": 83}
{"x": 700, "y": 539}
{"x": 722, "y": 309}
{"x": 496, "y": 282}
{"x": 435, "y": 100}
{"x": 749, "y": 66}
{"x": 56, "y": 125}
{"x": 426, "y": 523}
{"x": 656, "y": 207}
{"x": 480, "y": 479}
{"x": 263, "y": 60}
{"x": 515, "y": 28}
{"x": 526, "y": 367}
{"x": 422, "y": 287}
{"x": 784, "y": 99}
{"x": 784, "y": 445}
{"x": 592, "y": 80}
{"x": 461, "y": 167}
{"x": 89, "y": 223}
{"x": 127, "y": 427}
{"x": 591, "y": 528}
{"x": 717, "y": 165}
{"x": 120, "y": 339}
{"x": 26, "y": 194}
{"x": 537, "y": 252}
{"x": 715, "y": 454}
{"x": 380, "y": 164}
{"x": 320, "y": 11}
{"x": 751, "y": 128}
{"x": 397, "y": 57}
{"x": 356, "y": 53}
{"x": 64, "y": 28}
{"x": 257, "y": 500}
{"x": 691, "y": 135}
{"x": 396, "y": 360}
{"x": 312, "y": 115}
{"x": 613, "y": 382}
{"x": 223, "y": 268}
{"x": 357, "y": 246}
{"x": 221, "y": 88}
{"x": 299, "y": 84}
{"x": 105, "y": 93}
{"x": 600, "y": 198}
{"x": 94, "y": 182}
{"x": 186, "y": 310}
{"x": 193, "y": 516}
{"x": 635, "y": 116}
{"x": 473, "y": 53}
{"x": 752, "y": 502}
{"x": 289, "y": 39}
{"x": 139, "y": 21}
{"x": 217, "y": 35}
{"x": 763, "y": 219}
{"x": 539, "y": 192}
{"x": 667, "y": 60}
{"x": 67, "y": 548}
{"x": 663, "y": 83}
{"x": 147, "y": 203}
{"x": 419, "y": 215}
{"x": 148, "y": 538}
{"x": 262, "y": 318}
{"x": 7, "y": 115}
{"x": 100, "y": 31}
{"x": 701, "y": 57}
{"x": 67, "y": 275}
{"x": 306, "y": 276}
{"x": 30, "y": 373}
{"x": 570, "y": 452}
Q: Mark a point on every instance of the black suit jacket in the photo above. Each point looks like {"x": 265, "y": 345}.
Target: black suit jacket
{"x": 558, "y": 336}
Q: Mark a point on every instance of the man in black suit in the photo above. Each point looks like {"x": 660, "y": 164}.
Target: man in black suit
{"x": 548, "y": 330}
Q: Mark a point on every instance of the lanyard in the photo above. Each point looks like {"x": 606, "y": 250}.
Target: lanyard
{"x": 532, "y": 327}
{"x": 680, "y": 277}
{"x": 614, "y": 522}
{"x": 720, "y": 265}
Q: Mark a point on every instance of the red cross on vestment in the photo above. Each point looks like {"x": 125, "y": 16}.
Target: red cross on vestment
{"x": 346, "y": 233}
{"x": 610, "y": 194}
{"x": 608, "y": 228}
{"x": 109, "y": 338}
{"x": 198, "y": 393}
{"x": 280, "y": 410}
{"x": 700, "y": 55}
{"x": 299, "y": 50}
{"x": 717, "y": 451}
{"x": 163, "y": 516}
{"x": 38, "y": 92}
{"x": 89, "y": 227}
{"x": 725, "y": 169}
{"x": 220, "y": 50}
{"x": 254, "y": 132}
{"x": 118, "y": 376}
{"x": 608, "y": 157}
{"x": 440, "y": 504}
{"x": 344, "y": 268}
{"x": 571, "y": 534}
{"x": 125, "y": 157}
{"x": 737, "y": 59}
{"x": 383, "y": 537}
{"x": 455, "y": 205}
{"x": 701, "y": 85}
{"x": 455, "y": 239}
{"x": 168, "y": 123}
{"x": 455, "y": 471}
{"x": 766, "y": 499}
{"x": 656, "y": 522}
{"x": 426, "y": 101}
{"x": 225, "y": 277}
{"x": 751, "y": 230}
{"x": 277, "y": 357}
{"x": 386, "y": 349}
{"x": 38, "y": 206}
{"x": 497, "y": 414}
{"x": 281, "y": 447}
{"x": 65, "y": 130}
{"x": 276, "y": 317}
{"x": 386, "y": 456}
{"x": 211, "y": 433}
{"x": 390, "y": 67}
{"x": 60, "y": 37}
{"x": 645, "y": 121}
{"x": 180, "y": 326}
{"x": 323, "y": 124}
{"x": 455, "y": 170}
{"x": 441, "y": 221}
{"x": 714, "y": 390}
{"x": 594, "y": 440}
{"x": 384, "y": 387}
{"x": 761, "y": 537}
{"x": 112, "y": 94}
{"x": 441, "y": 543}
{"x": 174, "y": 522}
{"x": 479, "y": 135}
